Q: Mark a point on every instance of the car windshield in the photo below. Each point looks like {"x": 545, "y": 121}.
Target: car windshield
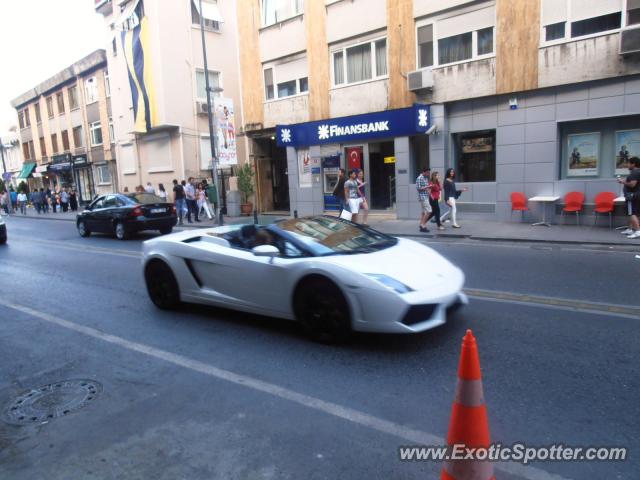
{"x": 331, "y": 236}
{"x": 144, "y": 198}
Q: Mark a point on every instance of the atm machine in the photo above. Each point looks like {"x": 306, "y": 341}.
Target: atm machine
{"x": 330, "y": 173}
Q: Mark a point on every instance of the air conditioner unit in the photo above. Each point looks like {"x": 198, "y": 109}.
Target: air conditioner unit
{"x": 420, "y": 80}
{"x": 202, "y": 108}
{"x": 630, "y": 40}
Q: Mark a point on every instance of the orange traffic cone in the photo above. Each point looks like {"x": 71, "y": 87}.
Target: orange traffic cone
{"x": 469, "y": 424}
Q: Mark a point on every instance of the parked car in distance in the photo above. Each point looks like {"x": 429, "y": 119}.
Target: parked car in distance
{"x": 122, "y": 214}
{"x": 3, "y": 231}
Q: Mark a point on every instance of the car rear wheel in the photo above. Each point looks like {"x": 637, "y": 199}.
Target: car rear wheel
{"x": 82, "y": 229}
{"x": 166, "y": 231}
{"x": 322, "y": 309}
{"x": 162, "y": 285}
{"x": 121, "y": 231}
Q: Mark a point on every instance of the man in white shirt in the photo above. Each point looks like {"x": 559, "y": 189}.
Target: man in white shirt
{"x": 149, "y": 188}
{"x": 22, "y": 202}
{"x": 192, "y": 204}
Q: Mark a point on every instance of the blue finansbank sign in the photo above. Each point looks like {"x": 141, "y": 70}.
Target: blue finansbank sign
{"x": 390, "y": 123}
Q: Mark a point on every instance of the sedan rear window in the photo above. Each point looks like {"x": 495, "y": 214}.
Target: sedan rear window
{"x": 145, "y": 198}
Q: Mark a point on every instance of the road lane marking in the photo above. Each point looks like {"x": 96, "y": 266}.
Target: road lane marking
{"x": 75, "y": 247}
{"x": 610, "y": 309}
{"x": 357, "y": 417}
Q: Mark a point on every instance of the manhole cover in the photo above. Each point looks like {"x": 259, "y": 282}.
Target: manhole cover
{"x": 45, "y": 403}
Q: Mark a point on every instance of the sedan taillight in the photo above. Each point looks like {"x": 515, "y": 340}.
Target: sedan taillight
{"x": 173, "y": 210}
{"x": 137, "y": 212}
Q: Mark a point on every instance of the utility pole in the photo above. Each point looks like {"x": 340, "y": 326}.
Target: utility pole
{"x": 212, "y": 138}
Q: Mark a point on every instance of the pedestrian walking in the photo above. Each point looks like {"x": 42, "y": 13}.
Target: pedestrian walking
{"x": 631, "y": 192}
{"x": 73, "y": 200}
{"x": 202, "y": 202}
{"x": 22, "y": 202}
{"x": 179, "y": 199}
{"x": 451, "y": 194}
{"x": 14, "y": 198}
{"x": 44, "y": 201}
{"x": 435, "y": 190}
{"x": 212, "y": 193}
{"x": 162, "y": 193}
{"x": 64, "y": 199}
{"x": 422, "y": 187}
{"x": 34, "y": 198}
{"x": 338, "y": 191}
{"x": 4, "y": 201}
{"x": 192, "y": 204}
{"x": 352, "y": 196}
{"x": 364, "y": 206}
{"x": 149, "y": 189}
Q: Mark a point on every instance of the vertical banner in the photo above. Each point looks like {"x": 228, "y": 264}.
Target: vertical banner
{"x": 627, "y": 146}
{"x": 354, "y": 158}
{"x": 583, "y": 154}
{"x": 225, "y": 131}
{"x": 304, "y": 167}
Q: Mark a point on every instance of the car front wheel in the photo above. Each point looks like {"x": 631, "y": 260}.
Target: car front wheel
{"x": 82, "y": 229}
{"x": 322, "y": 310}
{"x": 121, "y": 231}
{"x": 162, "y": 285}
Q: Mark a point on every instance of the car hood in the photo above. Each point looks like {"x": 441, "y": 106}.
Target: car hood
{"x": 409, "y": 262}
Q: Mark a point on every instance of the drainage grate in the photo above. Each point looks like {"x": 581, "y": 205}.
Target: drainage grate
{"x": 48, "y": 402}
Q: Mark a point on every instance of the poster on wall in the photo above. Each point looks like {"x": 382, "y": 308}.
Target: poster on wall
{"x": 304, "y": 167}
{"x": 583, "y": 154}
{"x": 627, "y": 146}
{"x": 226, "y": 132}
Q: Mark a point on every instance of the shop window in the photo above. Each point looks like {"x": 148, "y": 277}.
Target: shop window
{"x": 590, "y": 26}
{"x": 554, "y": 32}
{"x": 60, "y": 101}
{"x": 419, "y": 155}
{"x": 104, "y": 175}
{"x": 425, "y": 46}
{"x": 475, "y": 156}
{"x": 455, "y": 49}
{"x": 201, "y": 84}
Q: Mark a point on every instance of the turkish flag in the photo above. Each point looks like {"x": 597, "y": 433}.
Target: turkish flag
{"x": 354, "y": 158}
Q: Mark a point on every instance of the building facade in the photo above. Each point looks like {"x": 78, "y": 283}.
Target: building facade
{"x": 534, "y": 96}
{"x": 11, "y": 153}
{"x": 175, "y": 144}
{"x": 66, "y": 130}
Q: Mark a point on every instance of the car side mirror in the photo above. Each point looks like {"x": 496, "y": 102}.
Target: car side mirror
{"x": 265, "y": 251}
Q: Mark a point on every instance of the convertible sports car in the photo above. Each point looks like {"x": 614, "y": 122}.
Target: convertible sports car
{"x": 329, "y": 274}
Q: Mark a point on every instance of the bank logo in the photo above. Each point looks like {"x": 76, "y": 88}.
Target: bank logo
{"x": 285, "y": 135}
{"x": 423, "y": 120}
{"x": 323, "y": 132}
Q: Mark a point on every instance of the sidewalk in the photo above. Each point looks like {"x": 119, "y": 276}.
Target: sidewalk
{"x": 472, "y": 228}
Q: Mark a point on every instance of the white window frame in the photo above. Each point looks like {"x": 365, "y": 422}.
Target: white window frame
{"x": 567, "y": 26}
{"x": 374, "y": 74}
{"x": 107, "y": 84}
{"x": 195, "y": 85}
{"x": 112, "y": 136}
{"x": 275, "y": 85}
{"x": 92, "y": 128}
{"x": 100, "y": 172}
{"x": 89, "y": 98}
{"x": 263, "y": 22}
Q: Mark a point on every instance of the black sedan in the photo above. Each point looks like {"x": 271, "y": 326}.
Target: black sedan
{"x": 3, "y": 231}
{"x": 125, "y": 213}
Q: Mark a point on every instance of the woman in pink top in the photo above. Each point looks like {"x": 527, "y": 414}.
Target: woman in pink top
{"x": 434, "y": 198}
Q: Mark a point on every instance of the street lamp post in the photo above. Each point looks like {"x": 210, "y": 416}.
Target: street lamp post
{"x": 212, "y": 139}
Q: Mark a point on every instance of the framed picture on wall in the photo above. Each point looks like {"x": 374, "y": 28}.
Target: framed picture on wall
{"x": 627, "y": 146}
{"x": 583, "y": 154}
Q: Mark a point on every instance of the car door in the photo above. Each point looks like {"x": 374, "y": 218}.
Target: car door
{"x": 90, "y": 215}
{"x": 104, "y": 215}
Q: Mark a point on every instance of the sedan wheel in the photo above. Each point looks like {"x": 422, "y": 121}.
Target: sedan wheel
{"x": 82, "y": 229}
{"x": 121, "y": 232}
{"x": 323, "y": 311}
{"x": 162, "y": 285}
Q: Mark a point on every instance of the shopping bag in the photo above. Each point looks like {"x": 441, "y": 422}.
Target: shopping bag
{"x": 345, "y": 215}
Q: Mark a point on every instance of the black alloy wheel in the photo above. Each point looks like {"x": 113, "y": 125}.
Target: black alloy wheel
{"x": 162, "y": 285}
{"x": 82, "y": 229}
{"x": 322, "y": 309}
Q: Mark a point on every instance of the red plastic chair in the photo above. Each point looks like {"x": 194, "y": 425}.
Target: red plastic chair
{"x": 573, "y": 203}
{"x": 518, "y": 203}
{"x": 604, "y": 204}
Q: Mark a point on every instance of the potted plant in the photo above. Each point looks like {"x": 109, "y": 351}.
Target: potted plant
{"x": 245, "y": 185}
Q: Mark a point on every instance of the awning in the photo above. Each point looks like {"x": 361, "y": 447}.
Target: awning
{"x": 210, "y": 11}
{"x": 26, "y": 171}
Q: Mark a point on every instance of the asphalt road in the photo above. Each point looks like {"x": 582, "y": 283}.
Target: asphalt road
{"x": 212, "y": 394}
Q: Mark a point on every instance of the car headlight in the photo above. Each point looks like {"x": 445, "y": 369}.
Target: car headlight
{"x": 389, "y": 282}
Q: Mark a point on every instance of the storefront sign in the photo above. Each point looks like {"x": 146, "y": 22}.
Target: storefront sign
{"x": 79, "y": 160}
{"x": 389, "y": 159}
{"x": 627, "y": 146}
{"x": 391, "y": 123}
{"x": 584, "y": 154}
{"x": 63, "y": 158}
{"x": 226, "y": 132}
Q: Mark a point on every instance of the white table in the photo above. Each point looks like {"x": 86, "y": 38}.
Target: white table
{"x": 544, "y": 200}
